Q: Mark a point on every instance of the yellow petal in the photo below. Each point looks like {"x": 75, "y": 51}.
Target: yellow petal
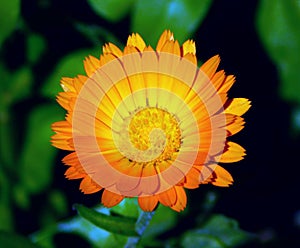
{"x": 112, "y": 50}
{"x": 238, "y": 106}
{"x": 233, "y": 153}
{"x": 67, "y": 84}
{"x": 222, "y": 177}
{"x": 137, "y": 41}
{"x": 189, "y": 47}
{"x": 234, "y": 123}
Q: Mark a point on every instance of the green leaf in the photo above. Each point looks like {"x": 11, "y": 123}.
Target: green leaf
{"x": 151, "y": 18}
{"x": 69, "y": 66}
{"x": 278, "y": 27}
{"x": 115, "y": 224}
{"x": 38, "y": 156}
{"x": 112, "y": 10}
{"x": 9, "y": 14}
{"x": 6, "y": 216}
{"x": 128, "y": 207}
{"x": 11, "y": 240}
{"x": 77, "y": 225}
{"x": 219, "y": 231}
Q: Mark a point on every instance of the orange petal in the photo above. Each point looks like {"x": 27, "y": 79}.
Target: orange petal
{"x": 168, "y": 197}
{"x": 191, "y": 57}
{"x": 64, "y": 99}
{"x": 229, "y": 81}
{"x": 137, "y": 41}
{"x": 181, "y": 199}
{"x": 148, "y": 203}
{"x": 88, "y": 186}
{"x": 218, "y": 79}
{"x": 171, "y": 46}
{"x": 192, "y": 179}
{"x": 91, "y": 64}
{"x": 238, "y": 106}
{"x": 72, "y": 160}
{"x": 62, "y": 142}
{"x": 73, "y": 173}
{"x": 79, "y": 82}
{"x": 110, "y": 199}
{"x": 105, "y": 58}
{"x": 130, "y": 49}
{"x": 210, "y": 66}
{"x": 233, "y": 153}
{"x": 62, "y": 127}
{"x": 167, "y": 35}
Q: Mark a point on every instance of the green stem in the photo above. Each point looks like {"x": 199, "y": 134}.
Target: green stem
{"x": 140, "y": 226}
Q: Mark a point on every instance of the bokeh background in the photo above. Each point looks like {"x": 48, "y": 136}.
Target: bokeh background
{"x": 258, "y": 41}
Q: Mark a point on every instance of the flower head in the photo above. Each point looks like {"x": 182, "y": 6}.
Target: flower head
{"x": 148, "y": 123}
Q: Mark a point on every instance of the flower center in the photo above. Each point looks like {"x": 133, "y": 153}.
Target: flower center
{"x": 155, "y": 138}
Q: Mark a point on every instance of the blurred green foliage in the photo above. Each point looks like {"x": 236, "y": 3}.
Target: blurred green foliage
{"x": 278, "y": 27}
{"x": 113, "y": 10}
{"x": 28, "y": 160}
{"x": 180, "y": 16}
{"x": 9, "y": 16}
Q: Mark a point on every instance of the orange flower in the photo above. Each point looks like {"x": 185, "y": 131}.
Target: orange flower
{"x": 148, "y": 123}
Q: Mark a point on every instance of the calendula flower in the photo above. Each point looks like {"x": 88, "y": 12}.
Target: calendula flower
{"x": 148, "y": 123}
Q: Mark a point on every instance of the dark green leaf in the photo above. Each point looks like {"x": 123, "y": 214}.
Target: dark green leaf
{"x": 151, "y": 18}
{"x": 112, "y": 10}
{"x": 195, "y": 239}
{"x": 278, "y": 27}
{"x": 10, "y": 240}
{"x": 295, "y": 120}
{"x": 6, "y": 216}
{"x": 115, "y": 224}
{"x": 9, "y": 14}
{"x": 70, "y": 66}
{"x": 218, "y": 231}
{"x": 38, "y": 156}
{"x": 163, "y": 220}
{"x": 36, "y": 45}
